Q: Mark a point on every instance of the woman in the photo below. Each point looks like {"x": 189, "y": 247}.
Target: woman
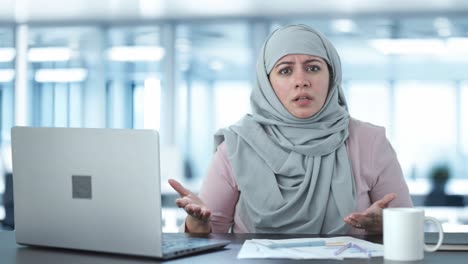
{"x": 299, "y": 163}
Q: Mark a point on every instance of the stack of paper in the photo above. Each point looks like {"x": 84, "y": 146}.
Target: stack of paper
{"x": 310, "y": 248}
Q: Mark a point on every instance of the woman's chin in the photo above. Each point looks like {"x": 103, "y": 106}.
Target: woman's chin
{"x": 304, "y": 114}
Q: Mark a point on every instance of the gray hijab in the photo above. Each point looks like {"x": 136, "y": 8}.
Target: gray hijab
{"x": 294, "y": 175}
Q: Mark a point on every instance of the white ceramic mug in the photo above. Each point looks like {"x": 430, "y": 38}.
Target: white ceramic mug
{"x": 404, "y": 234}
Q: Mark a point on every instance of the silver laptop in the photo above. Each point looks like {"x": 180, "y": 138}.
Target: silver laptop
{"x": 93, "y": 189}
{"x": 452, "y": 241}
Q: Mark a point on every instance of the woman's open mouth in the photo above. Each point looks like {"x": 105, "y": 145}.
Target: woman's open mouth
{"x": 302, "y": 100}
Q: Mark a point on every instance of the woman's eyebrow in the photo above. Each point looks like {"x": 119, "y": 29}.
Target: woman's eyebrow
{"x": 291, "y": 63}
{"x": 284, "y": 62}
{"x": 312, "y": 60}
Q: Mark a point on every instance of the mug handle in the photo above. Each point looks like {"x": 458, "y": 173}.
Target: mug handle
{"x": 441, "y": 234}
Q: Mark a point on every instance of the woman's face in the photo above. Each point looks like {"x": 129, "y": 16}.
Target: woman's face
{"x": 301, "y": 83}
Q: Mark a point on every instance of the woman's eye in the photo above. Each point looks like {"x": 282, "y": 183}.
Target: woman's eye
{"x": 285, "y": 71}
{"x": 313, "y": 68}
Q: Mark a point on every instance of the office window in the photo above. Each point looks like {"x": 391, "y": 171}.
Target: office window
{"x": 425, "y": 124}
{"x": 214, "y": 66}
{"x": 201, "y": 127}
{"x": 232, "y": 102}
{"x": 146, "y": 104}
{"x": 369, "y": 102}
{"x": 7, "y": 78}
{"x": 75, "y": 106}
{"x": 62, "y": 67}
{"x": 57, "y": 104}
{"x": 464, "y": 120}
{"x": 134, "y": 84}
{"x": 91, "y": 76}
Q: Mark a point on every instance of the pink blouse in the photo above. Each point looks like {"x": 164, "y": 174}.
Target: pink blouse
{"x": 375, "y": 168}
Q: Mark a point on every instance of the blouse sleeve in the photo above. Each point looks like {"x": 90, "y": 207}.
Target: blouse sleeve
{"x": 219, "y": 192}
{"x": 389, "y": 176}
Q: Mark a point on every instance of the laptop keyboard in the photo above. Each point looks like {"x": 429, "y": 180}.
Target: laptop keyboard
{"x": 180, "y": 242}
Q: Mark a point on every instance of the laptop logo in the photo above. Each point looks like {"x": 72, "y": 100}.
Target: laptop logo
{"x": 81, "y": 187}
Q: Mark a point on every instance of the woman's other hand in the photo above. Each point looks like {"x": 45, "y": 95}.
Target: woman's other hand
{"x": 198, "y": 218}
{"x": 371, "y": 219}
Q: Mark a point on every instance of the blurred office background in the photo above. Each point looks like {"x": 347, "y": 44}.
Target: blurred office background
{"x": 186, "y": 68}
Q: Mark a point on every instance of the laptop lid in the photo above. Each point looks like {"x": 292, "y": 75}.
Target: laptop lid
{"x": 86, "y": 188}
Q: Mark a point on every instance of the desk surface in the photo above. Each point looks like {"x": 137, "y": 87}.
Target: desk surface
{"x": 11, "y": 253}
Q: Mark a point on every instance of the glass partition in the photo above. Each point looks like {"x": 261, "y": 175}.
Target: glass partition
{"x": 214, "y": 65}
{"x": 7, "y": 79}
{"x": 134, "y": 56}
{"x": 464, "y": 123}
{"x": 64, "y": 74}
{"x": 425, "y": 125}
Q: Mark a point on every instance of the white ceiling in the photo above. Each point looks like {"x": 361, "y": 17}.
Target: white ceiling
{"x": 113, "y": 10}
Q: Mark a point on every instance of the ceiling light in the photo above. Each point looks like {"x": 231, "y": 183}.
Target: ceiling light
{"x": 49, "y": 54}
{"x": 6, "y": 75}
{"x": 216, "y": 65}
{"x": 151, "y": 8}
{"x": 343, "y": 25}
{"x": 451, "y": 46}
{"x": 443, "y": 26}
{"x": 409, "y": 46}
{"x": 61, "y": 75}
{"x": 135, "y": 53}
{"x": 442, "y": 22}
{"x": 7, "y": 54}
{"x": 444, "y": 32}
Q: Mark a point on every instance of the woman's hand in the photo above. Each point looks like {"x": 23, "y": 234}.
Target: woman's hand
{"x": 371, "y": 218}
{"x": 198, "y": 218}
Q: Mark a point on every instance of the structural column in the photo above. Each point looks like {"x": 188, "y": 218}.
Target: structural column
{"x": 22, "y": 91}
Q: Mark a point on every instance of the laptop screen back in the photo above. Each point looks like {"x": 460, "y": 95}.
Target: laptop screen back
{"x": 91, "y": 189}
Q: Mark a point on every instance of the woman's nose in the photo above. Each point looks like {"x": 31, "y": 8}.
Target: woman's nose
{"x": 301, "y": 80}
